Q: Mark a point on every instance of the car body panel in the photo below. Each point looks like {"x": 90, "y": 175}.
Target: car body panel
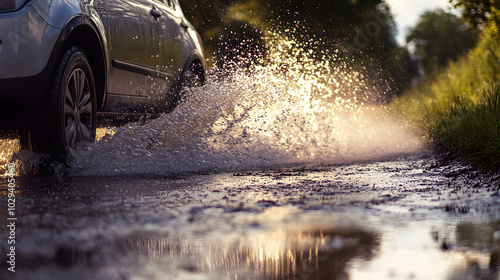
{"x": 22, "y": 96}
{"x": 26, "y": 41}
{"x": 57, "y": 13}
{"x": 170, "y": 38}
{"x": 130, "y": 30}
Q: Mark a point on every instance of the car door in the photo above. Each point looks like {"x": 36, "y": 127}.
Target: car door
{"x": 173, "y": 30}
{"x": 133, "y": 51}
{"x": 170, "y": 36}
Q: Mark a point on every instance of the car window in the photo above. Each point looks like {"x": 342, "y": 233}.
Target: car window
{"x": 169, "y": 3}
{"x": 172, "y": 4}
{"x": 160, "y": 1}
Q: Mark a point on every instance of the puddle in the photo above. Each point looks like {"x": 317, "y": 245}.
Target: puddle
{"x": 383, "y": 220}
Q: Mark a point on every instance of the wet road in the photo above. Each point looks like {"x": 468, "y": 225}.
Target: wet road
{"x": 400, "y": 219}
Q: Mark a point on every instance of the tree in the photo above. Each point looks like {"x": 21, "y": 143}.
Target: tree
{"x": 479, "y": 12}
{"x": 357, "y": 34}
{"x": 332, "y": 22}
{"x": 362, "y": 32}
{"x": 440, "y": 37}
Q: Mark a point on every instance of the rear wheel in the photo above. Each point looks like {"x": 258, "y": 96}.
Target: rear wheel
{"x": 193, "y": 76}
{"x": 68, "y": 116}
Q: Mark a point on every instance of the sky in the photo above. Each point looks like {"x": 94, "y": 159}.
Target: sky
{"x": 407, "y": 12}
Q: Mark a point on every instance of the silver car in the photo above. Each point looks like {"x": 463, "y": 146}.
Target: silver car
{"x": 64, "y": 63}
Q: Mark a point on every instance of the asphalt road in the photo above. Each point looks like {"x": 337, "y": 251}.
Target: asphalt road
{"x": 399, "y": 219}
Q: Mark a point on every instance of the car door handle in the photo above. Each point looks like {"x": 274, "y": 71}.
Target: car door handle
{"x": 155, "y": 13}
{"x": 184, "y": 25}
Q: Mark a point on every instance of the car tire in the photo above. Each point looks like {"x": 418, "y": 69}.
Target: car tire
{"x": 69, "y": 113}
{"x": 191, "y": 77}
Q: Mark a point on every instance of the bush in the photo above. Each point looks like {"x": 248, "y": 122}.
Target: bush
{"x": 459, "y": 110}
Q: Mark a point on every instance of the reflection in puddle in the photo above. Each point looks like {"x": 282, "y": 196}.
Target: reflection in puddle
{"x": 410, "y": 251}
{"x": 426, "y": 251}
{"x": 305, "y": 255}
{"x": 320, "y": 254}
{"x": 479, "y": 246}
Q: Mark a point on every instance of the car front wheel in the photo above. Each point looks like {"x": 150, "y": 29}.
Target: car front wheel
{"x": 68, "y": 116}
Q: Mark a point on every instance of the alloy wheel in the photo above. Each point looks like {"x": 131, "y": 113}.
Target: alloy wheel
{"x": 77, "y": 109}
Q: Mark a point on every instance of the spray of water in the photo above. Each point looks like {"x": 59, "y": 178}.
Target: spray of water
{"x": 289, "y": 110}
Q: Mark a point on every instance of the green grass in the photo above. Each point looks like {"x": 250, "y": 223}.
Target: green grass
{"x": 470, "y": 129}
{"x": 458, "y": 110}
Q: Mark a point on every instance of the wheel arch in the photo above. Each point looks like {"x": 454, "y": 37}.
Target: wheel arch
{"x": 80, "y": 31}
{"x": 198, "y": 66}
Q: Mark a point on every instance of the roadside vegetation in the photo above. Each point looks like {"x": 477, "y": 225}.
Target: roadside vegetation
{"x": 457, "y": 107}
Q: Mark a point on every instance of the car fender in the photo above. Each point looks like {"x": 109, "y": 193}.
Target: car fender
{"x": 57, "y": 12}
{"x": 198, "y": 51}
{"x": 191, "y": 59}
{"x": 23, "y": 90}
{"x": 195, "y": 57}
{"x": 100, "y": 59}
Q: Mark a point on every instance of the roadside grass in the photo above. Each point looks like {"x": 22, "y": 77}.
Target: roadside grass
{"x": 458, "y": 110}
{"x": 470, "y": 129}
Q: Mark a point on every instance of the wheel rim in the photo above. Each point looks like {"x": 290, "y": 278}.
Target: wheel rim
{"x": 77, "y": 108}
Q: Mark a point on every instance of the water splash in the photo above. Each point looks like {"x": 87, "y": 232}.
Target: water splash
{"x": 291, "y": 109}
{"x": 8, "y": 147}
